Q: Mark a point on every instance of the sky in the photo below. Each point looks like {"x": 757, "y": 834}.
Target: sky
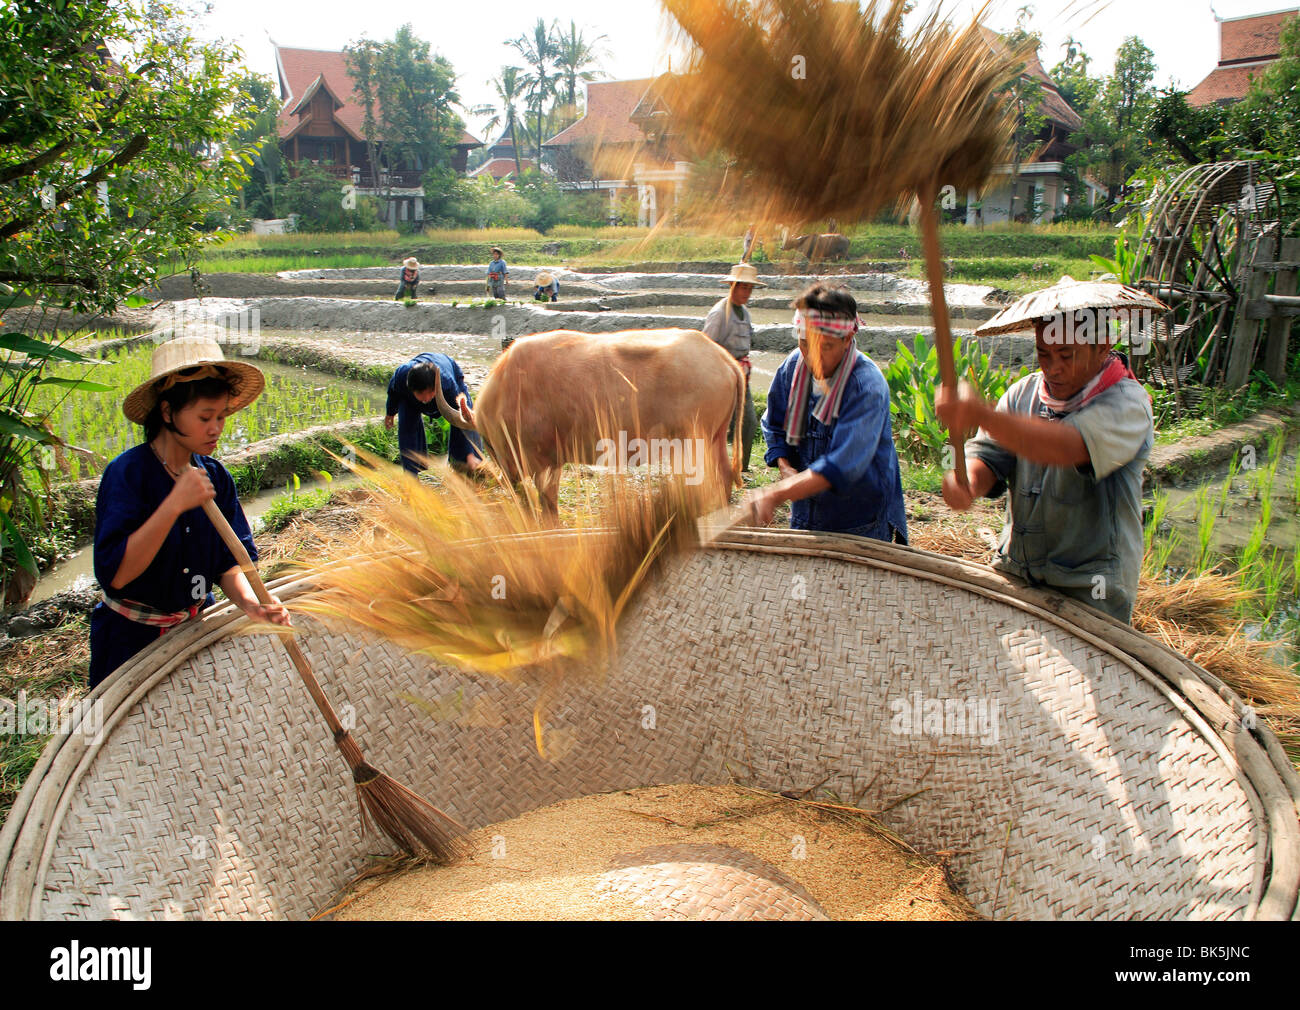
{"x": 1182, "y": 33}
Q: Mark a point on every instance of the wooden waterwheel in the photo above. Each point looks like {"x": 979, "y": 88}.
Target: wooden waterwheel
{"x": 1206, "y": 233}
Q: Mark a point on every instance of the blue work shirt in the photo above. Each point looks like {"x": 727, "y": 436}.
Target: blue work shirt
{"x": 183, "y": 573}
{"x": 403, "y": 405}
{"x": 452, "y": 378}
{"x": 855, "y": 453}
{"x": 498, "y": 267}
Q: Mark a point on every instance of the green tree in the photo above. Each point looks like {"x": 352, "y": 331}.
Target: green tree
{"x": 1193, "y": 135}
{"x": 314, "y": 195}
{"x": 1113, "y": 141}
{"x": 117, "y": 139}
{"x": 408, "y": 98}
{"x": 538, "y": 51}
{"x": 505, "y": 113}
{"x": 544, "y": 200}
{"x": 257, "y": 102}
{"x": 575, "y": 60}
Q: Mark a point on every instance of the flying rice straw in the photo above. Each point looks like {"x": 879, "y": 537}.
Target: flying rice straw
{"x": 490, "y": 587}
{"x": 835, "y": 112}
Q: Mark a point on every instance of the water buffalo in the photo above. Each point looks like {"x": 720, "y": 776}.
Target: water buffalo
{"x": 620, "y": 399}
{"x": 827, "y": 246}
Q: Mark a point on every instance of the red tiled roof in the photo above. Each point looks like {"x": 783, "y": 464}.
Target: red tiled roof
{"x": 1224, "y": 84}
{"x": 500, "y": 168}
{"x": 609, "y": 106}
{"x": 1252, "y": 38}
{"x": 299, "y": 68}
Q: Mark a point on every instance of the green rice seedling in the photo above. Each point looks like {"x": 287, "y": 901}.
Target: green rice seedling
{"x": 1156, "y": 518}
{"x": 1247, "y": 570}
{"x": 1273, "y": 577}
{"x": 1163, "y": 550}
{"x": 1233, "y": 467}
{"x": 1206, "y": 518}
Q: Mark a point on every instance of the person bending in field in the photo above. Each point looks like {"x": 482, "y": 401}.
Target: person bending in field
{"x": 1068, "y": 443}
{"x": 409, "y": 280}
{"x": 827, "y": 429}
{"x": 411, "y": 396}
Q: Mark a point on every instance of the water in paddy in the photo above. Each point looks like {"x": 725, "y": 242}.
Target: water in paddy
{"x": 1230, "y": 510}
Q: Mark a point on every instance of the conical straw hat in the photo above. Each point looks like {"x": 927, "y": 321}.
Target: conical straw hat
{"x": 1066, "y": 296}
{"x": 177, "y": 358}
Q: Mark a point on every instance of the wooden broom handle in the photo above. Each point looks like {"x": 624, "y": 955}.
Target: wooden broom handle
{"x": 942, "y": 330}
{"x": 246, "y": 565}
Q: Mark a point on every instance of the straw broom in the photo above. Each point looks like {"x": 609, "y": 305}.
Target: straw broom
{"x": 412, "y": 822}
{"x": 833, "y": 112}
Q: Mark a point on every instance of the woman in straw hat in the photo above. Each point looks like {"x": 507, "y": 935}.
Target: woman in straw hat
{"x": 1068, "y": 442}
{"x": 157, "y": 556}
{"x": 409, "y": 280}
{"x": 828, "y": 431}
{"x": 729, "y": 324}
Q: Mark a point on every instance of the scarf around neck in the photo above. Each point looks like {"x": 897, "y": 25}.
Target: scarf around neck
{"x": 1114, "y": 370}
{"x": 801, "y": 383}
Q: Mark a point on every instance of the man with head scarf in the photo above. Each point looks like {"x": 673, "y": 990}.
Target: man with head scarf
{"x": 827, "y": 429}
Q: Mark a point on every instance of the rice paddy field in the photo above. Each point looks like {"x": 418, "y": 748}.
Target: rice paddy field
{"x": 295, "y": 398}
{"x": 1016, "y": 258}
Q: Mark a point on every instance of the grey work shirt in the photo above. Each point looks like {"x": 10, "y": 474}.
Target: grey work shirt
{"x": 733, "y": 330}
{"x": 1068, "y": 525}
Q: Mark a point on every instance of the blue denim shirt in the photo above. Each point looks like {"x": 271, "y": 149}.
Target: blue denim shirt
{"x": 399, "y": 394}
{"x": 855, "y": 453}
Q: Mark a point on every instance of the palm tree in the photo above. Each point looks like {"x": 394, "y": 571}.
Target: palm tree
{"x": 509, "y": 89}
{"x": 573, "y": 55}
{"x": 538, "y": 51}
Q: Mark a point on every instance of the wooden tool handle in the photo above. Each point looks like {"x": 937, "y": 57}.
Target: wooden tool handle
{"x": 246, "y": 565}
{"x": 942, "y": 330}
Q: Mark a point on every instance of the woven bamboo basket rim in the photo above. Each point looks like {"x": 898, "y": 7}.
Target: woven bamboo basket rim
{"x": 1254, "y": 757}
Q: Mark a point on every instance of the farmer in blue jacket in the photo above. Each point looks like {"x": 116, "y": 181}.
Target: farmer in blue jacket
{"x": 411, "y": 397}
{"x": 828, "y": 431}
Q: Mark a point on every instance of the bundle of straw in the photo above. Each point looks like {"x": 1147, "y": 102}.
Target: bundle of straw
{"x": 833, "y": 111}
{"x": 489, "y": 587}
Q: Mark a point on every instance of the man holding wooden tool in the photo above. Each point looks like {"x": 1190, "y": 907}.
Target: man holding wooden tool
{"x": 1068, "y": 443}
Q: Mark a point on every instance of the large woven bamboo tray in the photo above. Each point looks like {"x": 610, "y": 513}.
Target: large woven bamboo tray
{"x": 1109, "y": 778}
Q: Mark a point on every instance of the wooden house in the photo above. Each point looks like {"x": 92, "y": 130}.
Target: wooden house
{"x": 623, "y": 145}
{"x": 321, "y": 122}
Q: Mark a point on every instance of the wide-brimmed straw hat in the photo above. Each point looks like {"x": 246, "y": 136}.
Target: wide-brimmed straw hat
{"x": 1066, "y": 296}
{"x": 542, "y": 279}
{"x": 743, "y": 273}
{"x": 410, "y": 261}
{"x": 188, "y": 359}
{"x": 495, "y": 249}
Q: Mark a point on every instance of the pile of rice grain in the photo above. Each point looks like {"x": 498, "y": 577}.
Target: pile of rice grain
{"x": 668, "y": 852}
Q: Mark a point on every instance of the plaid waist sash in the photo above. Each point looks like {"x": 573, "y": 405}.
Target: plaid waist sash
{"x": 141, "y": 614}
